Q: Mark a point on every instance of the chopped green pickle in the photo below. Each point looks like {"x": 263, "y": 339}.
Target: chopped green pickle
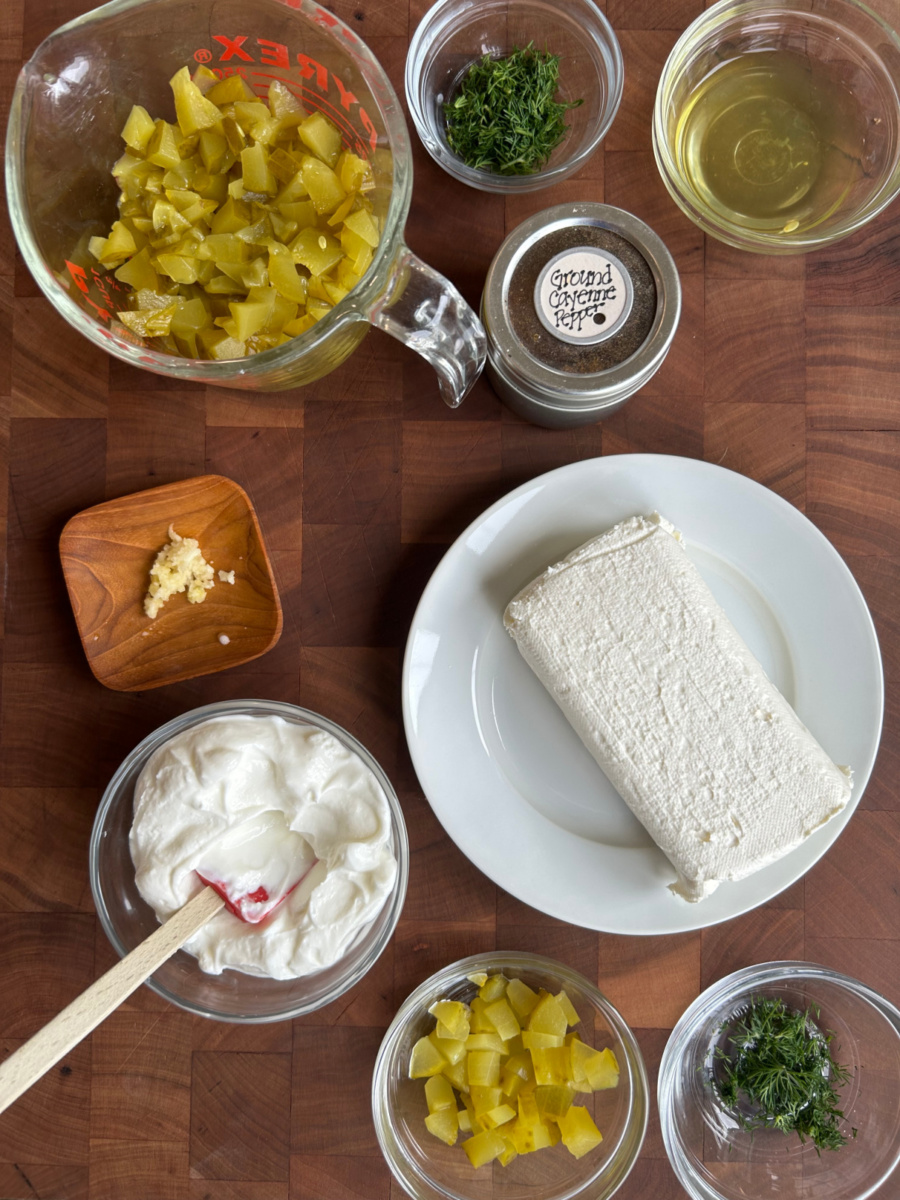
{"x": 241, "y": 224}
{"x": 502, "y": 1072}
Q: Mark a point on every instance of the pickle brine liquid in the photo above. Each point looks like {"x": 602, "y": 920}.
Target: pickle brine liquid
{"x": 769, "y": 143}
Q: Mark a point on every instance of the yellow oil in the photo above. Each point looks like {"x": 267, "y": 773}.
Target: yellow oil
{"x": 770, "y": 143}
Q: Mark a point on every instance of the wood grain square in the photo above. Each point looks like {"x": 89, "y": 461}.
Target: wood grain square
{"x": 765, "y": 442}
{"x": 726, "y": 262}
{"x": 56, "y": 371}
{"x": 651, "y": 980}
{"x": 576, "y": 948}
{"x": 141, "y": 1076}
{"x": 351, "y": 463}
{"x": 358, "y": 687}
{"x": 254, "y": 410}
{"x": 49, "y": 1124}
{"x": 268, "y": 463}
{"x": 651, "y": 1177}
{"x": 449, "y": 480}
{"x": 157, "y": 1170}
{"x": 754, "y": 312}
{"x": 851, "y": 368}
{"x": 46, "y": 960}
{"x": 851, "y": 490}
{"x": 44, "y": 849}
{"x": 368, "y": 1004}
{"x": 6, "y": 336}
{"x": 579, "y": 189}
{"x": 649, "y": 424}
{"x": 338, "y": 1177}
{"x": 861, "y": 267}
{"x": 154, "y": 438}
{"x": 123, "y": 377}
{"x": 240, "y": 1116}
{"x": 632, "y": 182}
{"x": 38, "y": 621}
{"x": 854, "y": 886}
{"x": 652, "y": 1043}
{"x": 422, "y": 401}
{"x": 144, "y": 1000}
{"x": 443, "y": 885}
{"x": 42, "y": 1181}
{"x": 272, "y": 1038}
{"x": 371, "y": 375}
{"x": 56, "y": 468}
{"x": 682, "y": 372}
{"x": 527, "y": 452}
{"x": 237, "y": 1189}
{"x": 764, "y": 935}
{"x": 871, "y": 960}
{"x": 644, "y": 51}
{"x": 423, "y": 947}
{"x": 648, "y": 14}
{"x": 327, "y": 1117}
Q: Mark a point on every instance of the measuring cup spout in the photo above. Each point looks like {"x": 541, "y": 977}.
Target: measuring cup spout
{"x": 425, "y": 311}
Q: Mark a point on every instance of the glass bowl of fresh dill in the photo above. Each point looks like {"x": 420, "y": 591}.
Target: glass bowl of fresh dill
{"x": 513, "y": 96}
{"x": 781, "y": 1080}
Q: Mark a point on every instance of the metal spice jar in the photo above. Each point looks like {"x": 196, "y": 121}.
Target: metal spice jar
{"x": 580, "y": 306}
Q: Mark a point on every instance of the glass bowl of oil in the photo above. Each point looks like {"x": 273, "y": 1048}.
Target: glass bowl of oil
{"x": 777, "y": 123}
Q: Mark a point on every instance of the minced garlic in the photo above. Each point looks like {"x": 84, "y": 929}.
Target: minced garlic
{"x": 178, "y": 567}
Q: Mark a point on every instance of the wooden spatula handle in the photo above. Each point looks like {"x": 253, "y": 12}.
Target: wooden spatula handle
{"x": 75, "y": 1022}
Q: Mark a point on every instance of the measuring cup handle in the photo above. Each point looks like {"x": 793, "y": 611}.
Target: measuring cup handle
{"x": 425, "y": 311}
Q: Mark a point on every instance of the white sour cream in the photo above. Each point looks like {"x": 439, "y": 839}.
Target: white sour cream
{"x": 312, "y": 805}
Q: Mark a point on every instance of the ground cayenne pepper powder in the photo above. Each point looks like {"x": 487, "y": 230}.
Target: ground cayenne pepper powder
{"x": 552, "y": 350}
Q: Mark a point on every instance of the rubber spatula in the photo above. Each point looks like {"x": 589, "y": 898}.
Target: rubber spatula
{"x": 250, "y": 870}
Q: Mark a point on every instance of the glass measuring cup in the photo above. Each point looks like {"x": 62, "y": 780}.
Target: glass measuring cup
{"x": 71, "y": 101}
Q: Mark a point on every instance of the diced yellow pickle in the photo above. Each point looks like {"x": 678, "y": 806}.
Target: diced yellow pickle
{"x": 465, "y": 1121}
{"x": 205, "y": 79}
{"x": 443, "y": 1124}
{"x": 439, "y": 1094}
{"x": 553, "y": 1100}
{"x": 321, "y": 136}
{"x": 486, "y": 1041}
{"x": 301, "y": 211}
{"x": 569, "y": 1010}
{"x": 162, "y": 149}
{"x": 503, "y": 1019}
{"x": 551, "y": 1065}
{"x": 337, "y": 217}
{"x": 283, "y": 274}
{"x": 579, "y": 1133}
{"x": 139, "y": 129}
{"x": 361, "y": 223}
{"x": 139, "y": 272}
{"x": 484, "y": 1098}
{"x": 453, "y": 1015}
{"x": 316, "y": 251}
{"x": 346, "y": 276}
{"x": 255, "y": 173}
{"x": 425, "y": 1059}
{"x": 149, "y": 322}
{"x": 495, "y": 985}
{"x": 498, "y": 1116}
{"x": 355, "y": 175}
{"x": 484, "y": 1147}
{"x": 483, "y": 1068}
{"x": 322, "y": 184}
{"x": 509, "y": 1153}
{"x": 193, "y": 110}
{"x": 282, "y": 100}
{"x": 547, "y": 1016}
{"x": 229, "y": 90}
{"x": 213, "y": 149}
{"x": 178, "y": 267}
{"x": 540, "y": 1041}
{"x": 479, "y": 978}
{"x": 603, "y": 1070}
{"x": 453, "y": 1049}
{"x": 454, "y": 1072}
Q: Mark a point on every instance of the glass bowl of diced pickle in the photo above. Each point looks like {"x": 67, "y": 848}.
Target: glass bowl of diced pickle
{"x": 509, "y": 1075}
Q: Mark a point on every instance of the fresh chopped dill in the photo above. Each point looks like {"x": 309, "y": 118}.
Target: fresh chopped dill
{"x": 505, "y": 117}
{"x": 781, "y": 1065}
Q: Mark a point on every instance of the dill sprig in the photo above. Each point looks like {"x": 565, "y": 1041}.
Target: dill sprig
{"x": 781, "y": 1064}
{"x": 504, "y": 116}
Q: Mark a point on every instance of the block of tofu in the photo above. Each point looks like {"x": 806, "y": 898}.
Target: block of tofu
{"x": 665, "y": 694}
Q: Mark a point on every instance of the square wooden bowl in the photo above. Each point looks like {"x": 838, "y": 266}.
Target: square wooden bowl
{"x": 107, "y": 552}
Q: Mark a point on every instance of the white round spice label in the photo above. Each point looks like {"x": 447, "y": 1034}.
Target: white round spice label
{"x": 583, "y": 295}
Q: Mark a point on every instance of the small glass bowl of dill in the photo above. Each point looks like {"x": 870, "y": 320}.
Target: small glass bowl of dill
{"x": 513, "y": 97}
{"x": 781, "y": 1080}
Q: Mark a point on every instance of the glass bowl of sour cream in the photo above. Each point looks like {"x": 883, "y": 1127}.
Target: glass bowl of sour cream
{"x": 200, "y": 775}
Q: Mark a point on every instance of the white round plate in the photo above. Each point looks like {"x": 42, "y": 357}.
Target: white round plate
{"x": 506, "y": 774}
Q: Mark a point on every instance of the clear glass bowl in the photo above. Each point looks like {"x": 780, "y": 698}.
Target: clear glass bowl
{"x": 430, "y": 1170}
{"x": 455, "y": 33}
{"x": 844, "y": 84}
{"x": 232, "y": 996}
{"x": 717, "y": 1160}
